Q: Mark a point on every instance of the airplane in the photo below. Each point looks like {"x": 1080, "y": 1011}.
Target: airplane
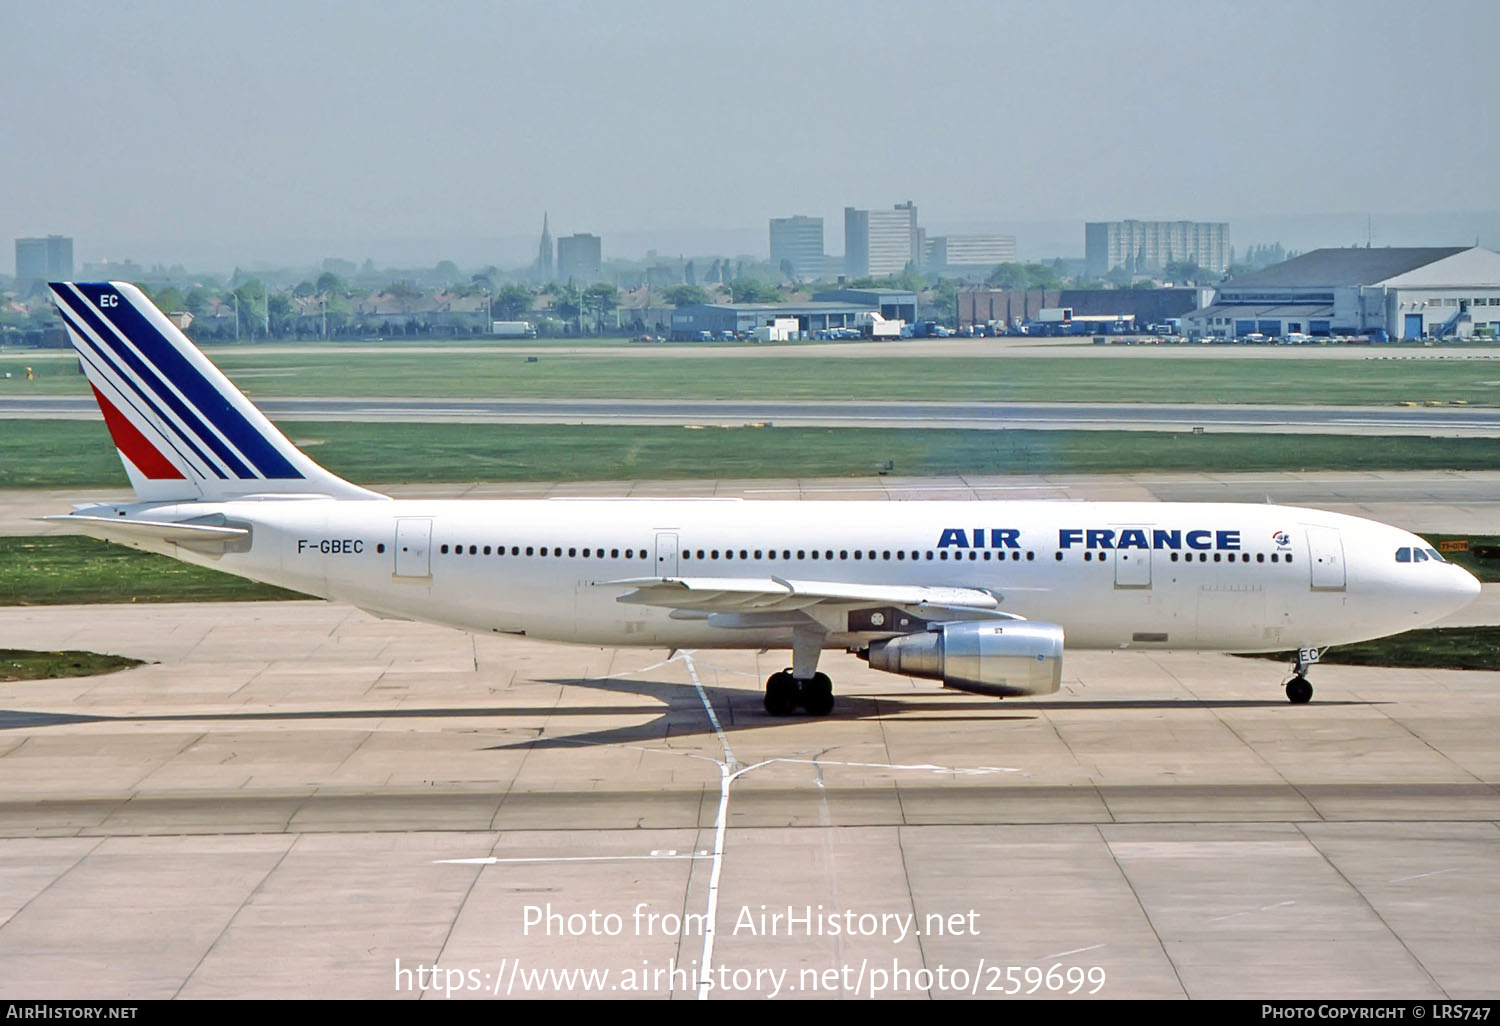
{"x": 978, "y": 595}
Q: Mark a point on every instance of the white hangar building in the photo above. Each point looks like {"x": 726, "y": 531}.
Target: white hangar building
{"x": 1407, "y": 293}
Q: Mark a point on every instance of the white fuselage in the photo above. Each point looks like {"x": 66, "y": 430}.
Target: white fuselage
{"x": 1113, "y": 575}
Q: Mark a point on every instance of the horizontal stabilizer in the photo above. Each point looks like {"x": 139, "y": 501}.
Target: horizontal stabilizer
{"x": 200, "y": 537}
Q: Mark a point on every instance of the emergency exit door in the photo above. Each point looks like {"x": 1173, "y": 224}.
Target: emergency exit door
{"x": 666, "y": 555}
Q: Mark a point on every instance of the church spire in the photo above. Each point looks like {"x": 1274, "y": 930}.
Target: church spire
{"x": 544, "y": 251}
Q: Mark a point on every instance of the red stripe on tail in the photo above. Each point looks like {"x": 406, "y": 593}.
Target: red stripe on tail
{"x": 146, "y": 457}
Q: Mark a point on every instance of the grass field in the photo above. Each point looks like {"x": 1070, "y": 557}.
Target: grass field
{"x": 66, "y": 453}
{"x": 693, "y": 374}
{"x": 1439, "y": 648}
{"x": 24, "y": 664}
{"x": 62, "y": 570}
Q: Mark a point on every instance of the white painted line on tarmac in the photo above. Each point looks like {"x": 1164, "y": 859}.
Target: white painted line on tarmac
{"x": 727, "y": 773}
{"x": 1263, "y": 908}
{"x": 1420, "y": 876}
{"x": 492, "y": 860}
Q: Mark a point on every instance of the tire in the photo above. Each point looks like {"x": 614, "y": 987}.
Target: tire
{"x": 817, "y": 695}
{"x": 781, "y": 695}
{"x": 1298, "y": 691}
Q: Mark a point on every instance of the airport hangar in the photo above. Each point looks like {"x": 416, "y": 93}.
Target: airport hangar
{"x": 1408, "y": 292}
{"x": 1013, "y": 306}
{"x": 836, "y": 308}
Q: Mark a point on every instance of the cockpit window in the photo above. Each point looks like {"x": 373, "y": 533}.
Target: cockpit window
{"x": 1435, "y": 554}
{"x": 1403, "y": 554}
{"x": 1418, "y": 556}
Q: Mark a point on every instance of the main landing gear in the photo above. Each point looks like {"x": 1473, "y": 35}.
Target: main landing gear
{"x": 1298, "y": 690}
{"x": 785, "y": 693}
{"x": 801, "y": 685}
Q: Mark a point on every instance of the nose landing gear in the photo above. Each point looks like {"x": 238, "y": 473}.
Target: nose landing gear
{"x": 1298, "y": 690}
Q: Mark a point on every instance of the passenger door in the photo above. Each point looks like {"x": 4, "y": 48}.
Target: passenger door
{"x": 1325, "y": 552}
{"x": 413, "y": 547}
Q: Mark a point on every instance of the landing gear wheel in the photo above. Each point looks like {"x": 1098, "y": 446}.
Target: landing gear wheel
{"x": 817, "y": 695}
{"x": 781, "y": 694}
{"x": 1298, "y": 690}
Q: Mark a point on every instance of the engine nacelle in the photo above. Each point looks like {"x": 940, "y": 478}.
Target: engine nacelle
{"x": 990, "y": 657}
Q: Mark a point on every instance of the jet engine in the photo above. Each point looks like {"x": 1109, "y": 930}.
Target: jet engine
{"x": 989, "y": 657}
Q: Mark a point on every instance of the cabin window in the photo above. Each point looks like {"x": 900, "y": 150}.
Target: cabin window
{"x": 1030, "y": 556}
{"x": 900, "y": 554}
{"x": 444, "y": 550}
{"x": 1260, "y": 557}
{"x": 380, "y": 547}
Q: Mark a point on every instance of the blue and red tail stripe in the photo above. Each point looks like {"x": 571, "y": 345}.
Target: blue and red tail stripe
{"x": 150, "y": 365}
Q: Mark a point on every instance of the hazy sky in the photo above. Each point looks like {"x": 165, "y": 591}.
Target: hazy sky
{"x": 219, "y": 133}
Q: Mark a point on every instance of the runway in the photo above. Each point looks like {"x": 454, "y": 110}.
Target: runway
{"x": 1447, "y": 421}
{"x": 1421, "y": 501}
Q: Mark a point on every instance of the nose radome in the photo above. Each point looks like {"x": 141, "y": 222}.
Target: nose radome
{"x": 1467, "y": 588}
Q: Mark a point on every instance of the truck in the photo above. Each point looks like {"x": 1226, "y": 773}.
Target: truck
{"x": 873, "y": 325}
{"x": 512, "y": 329}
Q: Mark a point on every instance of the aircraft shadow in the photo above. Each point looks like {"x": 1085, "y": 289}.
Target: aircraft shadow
{"x": 679, "y": 712}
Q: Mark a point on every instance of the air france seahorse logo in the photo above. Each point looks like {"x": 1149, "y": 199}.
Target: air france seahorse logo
{"x": 1282, "y": 539}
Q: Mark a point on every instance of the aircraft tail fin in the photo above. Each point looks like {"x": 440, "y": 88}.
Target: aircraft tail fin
{"x": 183, "y": 430}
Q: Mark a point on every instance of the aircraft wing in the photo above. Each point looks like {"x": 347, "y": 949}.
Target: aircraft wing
{"x": 778, "y": 595}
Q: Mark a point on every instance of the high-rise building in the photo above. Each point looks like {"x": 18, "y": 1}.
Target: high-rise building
{"x": 878, "y": 243}
{"x": 1146, "y": 247}
{"x": 797, "y": 244}
{"x": 580, "y": 259}
{"x": 43, "y": 260}
{"x": 543, "y": 268}
{"x": 974, "y": 254}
